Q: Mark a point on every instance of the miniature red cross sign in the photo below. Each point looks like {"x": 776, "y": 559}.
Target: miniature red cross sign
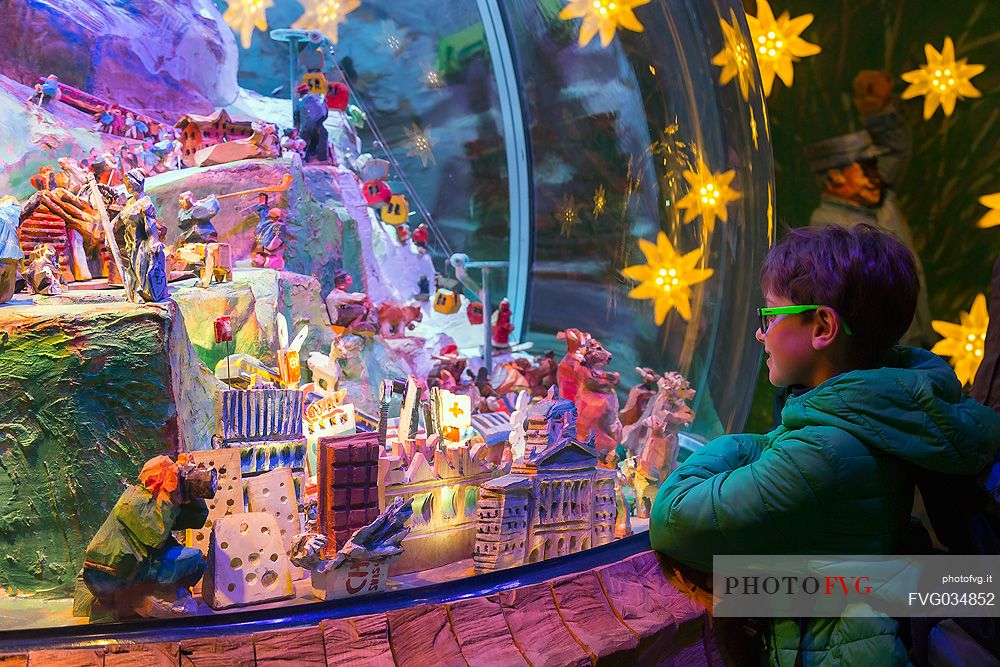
{"x": 455, "y": 410}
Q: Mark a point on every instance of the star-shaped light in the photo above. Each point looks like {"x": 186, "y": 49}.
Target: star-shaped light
{"x": 735, "y": 59}
{"x": 568, "y": 215}
{"x": 600, "y": 200}
{"x": 991, "y": 219}
{"x": 421, "y": 144}
{"x": 778, "y": 44}
{"x": 709, "y": 195}
{"x": 666, "y": 277}
{"x": 391, "y": 38}
{"x": 604, "y": 17}
{"x": 433, "y": 79}
{"x": 325, "y": 15}
{"x": 245, "y": 15}
{"x": 964, "y": 342}
{"x": 943, "y": 80}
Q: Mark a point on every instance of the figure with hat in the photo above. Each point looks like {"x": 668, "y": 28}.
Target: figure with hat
{"x": 856, "y": 172}
{"x": 309, "y": 115}
{"x": 269, "y": 242}
{"x": 194, "y": 217}
{"x": 349, "y": 311}
{"x": 144, "y": 260}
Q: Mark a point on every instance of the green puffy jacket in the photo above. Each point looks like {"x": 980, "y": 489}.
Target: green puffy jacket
{"x": 833, "y": 478}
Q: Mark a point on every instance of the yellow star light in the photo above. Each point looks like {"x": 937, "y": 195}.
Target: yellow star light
{"x": 666, "y": 277}
{"x": 421, "y": 144}
{"x": 325, "y": 15}
{"x": 600, "y": 200}
{"x": 567, "y": 215}
{"x": 964, "y": 342}
{"x": 604, "y": 17}
{"x": 943, "y": 80}
{"x": 778, "y": 44}
{"x": 991, "y": 219}
{"x": 245, "y": 15}
{"x": 735, "y": 59}
{"x": 709, "y": 195}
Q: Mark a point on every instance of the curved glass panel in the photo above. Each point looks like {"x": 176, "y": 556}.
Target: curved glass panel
{"x": 453, "y": 300}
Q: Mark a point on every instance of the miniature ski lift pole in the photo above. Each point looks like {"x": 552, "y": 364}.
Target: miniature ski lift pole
{"x": 461, "y": 263}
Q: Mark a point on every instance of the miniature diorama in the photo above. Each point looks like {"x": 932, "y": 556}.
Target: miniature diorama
{"x": 357, "y": 346}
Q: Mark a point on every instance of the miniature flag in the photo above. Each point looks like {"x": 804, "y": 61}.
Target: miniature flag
{"x": 223, "y": 329}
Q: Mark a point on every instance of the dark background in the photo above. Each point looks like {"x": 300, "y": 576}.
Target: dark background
{"x": 955, "y": 160}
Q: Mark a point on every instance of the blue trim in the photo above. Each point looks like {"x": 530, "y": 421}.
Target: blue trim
{"x": 502, "y": 52}
{"x": 244, "y": 622}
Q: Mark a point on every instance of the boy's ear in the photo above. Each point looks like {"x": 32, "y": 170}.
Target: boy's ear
{"x": 826, "y": 328}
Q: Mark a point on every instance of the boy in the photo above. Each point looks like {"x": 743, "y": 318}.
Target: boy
{"x": 836, "y": 476}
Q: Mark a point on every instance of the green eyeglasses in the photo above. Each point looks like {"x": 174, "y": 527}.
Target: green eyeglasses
{"x": 767, "y": 316}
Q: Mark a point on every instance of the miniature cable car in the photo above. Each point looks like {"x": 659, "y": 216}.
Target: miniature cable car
{"x": 377, "y": 193}
{"x": 316, "y": 81}
{"x": 338, "y": 95}
{"x": 475, "y": 313}
{"x": 396, "y": 211}
{"x": 446, "y": 301}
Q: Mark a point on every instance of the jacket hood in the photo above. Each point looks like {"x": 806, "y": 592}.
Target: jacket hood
{"x": 913, "y": 408}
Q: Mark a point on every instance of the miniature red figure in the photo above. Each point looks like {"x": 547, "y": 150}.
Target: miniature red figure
{"x": 502, "y": 327}
{"x": 403, "y": 233}
{"x": 581, "y": 375}
{"x": 421, "y": 235}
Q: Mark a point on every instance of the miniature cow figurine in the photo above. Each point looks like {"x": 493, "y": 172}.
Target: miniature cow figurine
{"x": 395, "y": 320}
{"x": 583, "y": 380}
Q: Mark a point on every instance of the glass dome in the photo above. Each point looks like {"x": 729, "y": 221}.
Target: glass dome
{"x": 559, "y": 158}
{"x": 530, "y": 215}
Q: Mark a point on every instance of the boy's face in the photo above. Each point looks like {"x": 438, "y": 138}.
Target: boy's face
{"x": 788, "y": 343}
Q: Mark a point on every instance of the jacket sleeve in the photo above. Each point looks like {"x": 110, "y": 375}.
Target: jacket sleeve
{"x": 739, "y": 496}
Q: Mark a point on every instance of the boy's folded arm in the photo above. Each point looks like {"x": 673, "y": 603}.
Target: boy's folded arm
{"x": 725, "y": 498}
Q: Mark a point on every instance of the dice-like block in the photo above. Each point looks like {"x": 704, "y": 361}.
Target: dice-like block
{"x": 247, "y": 563}
{"x": 229, "y": 497}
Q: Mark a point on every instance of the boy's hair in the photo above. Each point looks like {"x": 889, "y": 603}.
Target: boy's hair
{"x": 867, "y": 275}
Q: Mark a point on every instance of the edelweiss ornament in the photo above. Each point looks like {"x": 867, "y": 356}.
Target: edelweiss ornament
{"x": 736, "y": 60}
{"x": 942, "y": 81}
{"x": 421, "y": 144}
{"x": 709, "y": 196}
{"x": 964, "y": 342}
{"x": 325, "y": 15}
{"x": 777, "y": 43}
{"x": 245, "y": 15}
{"x": 666, "y": 277}
{"x": 603, "y": 17}
{"x": 991, "y": 219}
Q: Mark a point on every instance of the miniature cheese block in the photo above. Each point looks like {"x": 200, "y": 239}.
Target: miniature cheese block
{"x": 274, "y": 493}
{"x": 247, "y": 563}
{"x": 228, "y": 498}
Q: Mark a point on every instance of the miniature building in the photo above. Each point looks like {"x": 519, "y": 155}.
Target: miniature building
{"x": 555, "y": 502}
{"x": 266, "y": 425}
{"x": 348, "y": 485}
{"x": 442, "y": 478}
{"x": 197, "y": 132}
{"x": 42, "y": 226}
